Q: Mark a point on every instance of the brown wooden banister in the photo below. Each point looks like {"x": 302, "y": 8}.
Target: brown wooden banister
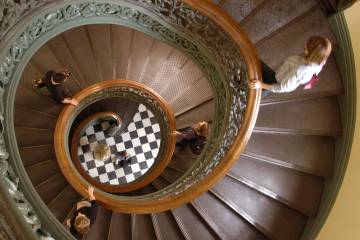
{"x": 60, "y": 149}
{"x": 138, "y": 205}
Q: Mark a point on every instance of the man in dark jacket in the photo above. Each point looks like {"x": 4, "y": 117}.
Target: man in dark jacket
{"x": 55, "y": 84}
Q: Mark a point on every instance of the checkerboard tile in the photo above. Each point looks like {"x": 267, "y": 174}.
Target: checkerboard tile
{"x": 141, "y": 140}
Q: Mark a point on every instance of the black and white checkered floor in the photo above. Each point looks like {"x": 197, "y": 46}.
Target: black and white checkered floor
{"x": 141, "y": 140}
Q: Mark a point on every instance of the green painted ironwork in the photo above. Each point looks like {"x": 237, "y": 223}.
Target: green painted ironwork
{"x": 347, "y": 101}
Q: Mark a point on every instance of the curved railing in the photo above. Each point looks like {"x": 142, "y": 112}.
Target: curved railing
{"x": 196, "y": 27}
{"x": 70, "y": 164}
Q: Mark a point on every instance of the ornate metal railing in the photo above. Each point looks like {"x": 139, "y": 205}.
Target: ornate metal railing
{"x": 197, "y": 28}
{"x": 126, "y": 89}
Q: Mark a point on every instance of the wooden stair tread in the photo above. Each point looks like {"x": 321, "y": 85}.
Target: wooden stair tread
{"x": 41, "y": 171}
{"x": 143, "y": 227}
{"x": 26, "y": 118}
{"x": 311, "y": 154}
{"x": 100, "y": 228}
{"x": 239, "y": 10}
{"x": 226, "y": 217}
{"x": 298, "y": 190}
{"x": 51, "y": 187}
{"x": 167, "y": 226}
{"x": 274, "y": 15}
{"x": 120, "y": 226}
{"x": 33, "y": 136}
{"x": 194, "y": 224}
{"x": 203, "y": 112}
{"x": 261, "y": 210}
{"x": 310, "y": 117}
{"x": 34, "y": 154}
{"x": 34, "y": 99}
{"x": 62, "y": 204}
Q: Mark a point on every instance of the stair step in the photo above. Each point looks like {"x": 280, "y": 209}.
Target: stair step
{"x": 182, "y": 81}
{"x": 261, "y": 211}
{"x": 143, "y": 228}
{"x": 171, "y": 174}
{"x": 62, "y": 204}
{"x": 34, "y": 99}
{"x": 161, "y": 183}
{"x": 182, "y": 162}
{"x": 308, "y": 117}
{"x": 240, "y": 10}
{"x": 41, "y": 171}
{"x": 196, "y": 94}
{"x": 195, "y": 226}
{"x": 120, "y": 226}
{"x": 100, "y": 40}
{"x": 170, "y": 67}
{"x": 33, "y": 136}
{"x": 121, "y": 42}
{"x": 297, "y": 190}
{"x": 154, "y": 62}
{"x": 100, "y": 228}
{"x": 224, "y": 216}
{"x": 310, "y": 154}
{"x": 78, "y": 44}
{"x": 35, "y": 119}
{"x": 31, "y": 155}
{"x": 203, "y": 112}
{"x": 140, "y": 47}
{"x": 51, "y": 187}
{"x": 166, "y": 226}
{"x": 209, "y": 221}
{"x": 274, "y": 15}
{"x": 29, "y": 74}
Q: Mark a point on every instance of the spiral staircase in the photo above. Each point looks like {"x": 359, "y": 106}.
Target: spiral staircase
{"x": 274, "y": 189}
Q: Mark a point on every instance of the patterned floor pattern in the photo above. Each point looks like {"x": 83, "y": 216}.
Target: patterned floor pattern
{"x": 141, "y": 140}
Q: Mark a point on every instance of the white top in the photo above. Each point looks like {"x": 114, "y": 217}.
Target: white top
{"x": 294, "y": 72}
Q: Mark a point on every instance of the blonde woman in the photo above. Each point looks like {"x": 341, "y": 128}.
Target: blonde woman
{"x": 194, "y": 136}
{"x": 85, "y": 215}
{"x": 297, "y": 70}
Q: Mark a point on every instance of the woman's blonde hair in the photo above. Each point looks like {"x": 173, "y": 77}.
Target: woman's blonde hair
{"x": 82, "y": 224}
{"x": 317, "y": 50}
{"x": 102, "y": 152}
{"x": 202, "y": 128}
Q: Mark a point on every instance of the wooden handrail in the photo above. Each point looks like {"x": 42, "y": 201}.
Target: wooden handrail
{"x": 138, "y": 205}
{"x": 70, "y": 172}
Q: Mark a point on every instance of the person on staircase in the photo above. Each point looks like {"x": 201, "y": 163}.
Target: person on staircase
{"x": 194, "y": 137}
{"x": 55, "y": 84}
{"x": 84, "y": 216}
{"x": 297, "y": 70}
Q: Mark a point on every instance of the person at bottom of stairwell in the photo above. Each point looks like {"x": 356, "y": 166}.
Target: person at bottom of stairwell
{"x": 84, "y": 216}
{"x": 121, "y": 158}
{"x": 55, "y": 84}
{"x": 194, "y": 136}
{"x": 297, "y": 70}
